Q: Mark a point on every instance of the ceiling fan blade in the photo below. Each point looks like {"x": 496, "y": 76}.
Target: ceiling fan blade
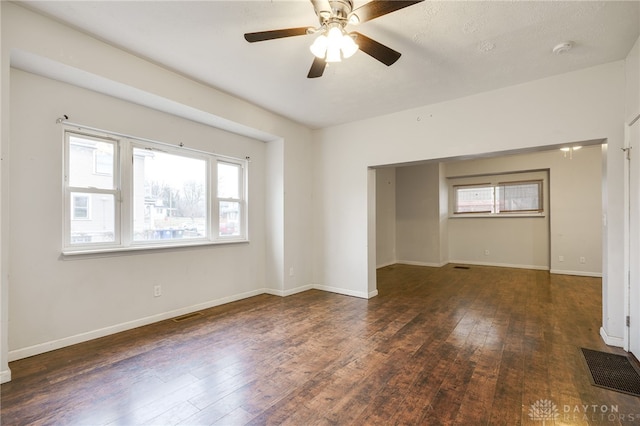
{"x": 376, "y": 8}
{"x": 273, "y": 34}
{"x": 376, "y": 50}
{"x": 317, "y": 68}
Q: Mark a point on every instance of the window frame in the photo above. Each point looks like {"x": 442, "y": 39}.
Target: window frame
{"x": 123, "y": 193}
{"x": 240, "y": 200}
{"x": 469, "y": 186}
{"x": 89, "y": 190}
{"x": 176, "y": 151}
{"x": 538, "y": 210}
{"x": 495, "y": 209}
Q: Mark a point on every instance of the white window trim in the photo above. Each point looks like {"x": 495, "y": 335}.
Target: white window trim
{"x": 123, "y": 178}
{"x": 495, "y": 180}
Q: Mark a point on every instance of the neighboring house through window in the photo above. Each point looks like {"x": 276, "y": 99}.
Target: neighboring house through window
{"x": 80, "y": 208}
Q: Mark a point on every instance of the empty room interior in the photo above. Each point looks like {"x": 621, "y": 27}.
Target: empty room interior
{"x": 204, "y": 220}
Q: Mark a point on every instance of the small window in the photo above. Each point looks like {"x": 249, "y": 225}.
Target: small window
{"x": 474, "y": 198}
{"x": 91, "y": 196}
{"x": 230, "y": 204}
{"x": 519, "y": 197}
{"x": 503, "y": 198}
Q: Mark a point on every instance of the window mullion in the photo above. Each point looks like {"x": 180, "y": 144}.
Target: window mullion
{"x": 126, "y": 197}
{"x": 214, "y": 202}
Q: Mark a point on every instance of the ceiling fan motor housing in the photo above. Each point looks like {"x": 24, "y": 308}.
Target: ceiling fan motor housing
{"x": 333, "y": 10}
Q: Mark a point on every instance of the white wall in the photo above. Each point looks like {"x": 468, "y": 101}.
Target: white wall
{"x": 45, "y": 47}
{"x": 578, "y": 106}
{"x": 632, "y": 92}
{"x": 62, "y": 298}
{"x": 385, "y": 216}
{"x": 418, "y": 214}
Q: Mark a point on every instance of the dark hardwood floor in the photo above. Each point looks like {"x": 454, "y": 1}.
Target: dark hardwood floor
{"x": 478, "y": 346}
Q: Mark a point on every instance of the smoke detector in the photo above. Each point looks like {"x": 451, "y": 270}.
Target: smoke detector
{"x": 563, "y": 47}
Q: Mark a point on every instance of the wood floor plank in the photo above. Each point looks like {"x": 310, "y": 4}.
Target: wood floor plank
{"x": 476, "y": 346}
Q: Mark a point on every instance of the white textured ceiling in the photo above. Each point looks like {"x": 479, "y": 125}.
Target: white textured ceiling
{"x": 449, "y": 49}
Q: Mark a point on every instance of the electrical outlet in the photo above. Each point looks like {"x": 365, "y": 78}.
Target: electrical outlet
{"x": 560, "y": 258}
{"x": 583, "y": 259}
{"x": 291, "y": 271}
{"x": 157, "y": 291}
{"x": 486, "y": 252}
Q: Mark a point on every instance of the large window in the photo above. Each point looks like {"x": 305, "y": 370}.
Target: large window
{"x": 124, "y": 193}
{"x": 504, "y": 197}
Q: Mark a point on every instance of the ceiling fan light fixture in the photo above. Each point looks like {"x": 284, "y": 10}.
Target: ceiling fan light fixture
{"x": 334, "y": 46}
{"x": 319, "y": 46}
{"x": 348, "y": 46}
{"x": 334, "y": 36}
{"x": 333, "y": 54}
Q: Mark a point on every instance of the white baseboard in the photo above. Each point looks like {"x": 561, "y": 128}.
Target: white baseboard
{"x": 284, "y": 293}
{"x": 384, "y": 265}
{"x": 577, "y": 273}
{"x": 415, "y": 263}
{"x": 297, "y": 290}
{"x": 611, "y": 340}
{"x": 106, "y": 331}
{"x": 500, "y": 265}
{"x": 346, "y": 292}
{"x": 5, "y": 376}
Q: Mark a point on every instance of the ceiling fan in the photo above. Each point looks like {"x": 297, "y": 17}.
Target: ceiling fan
{"x": 334, "y": 43}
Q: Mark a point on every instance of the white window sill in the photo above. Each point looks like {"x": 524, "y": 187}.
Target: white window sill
{"x": 496, "y": 215}
{"x": 86, "y": 252}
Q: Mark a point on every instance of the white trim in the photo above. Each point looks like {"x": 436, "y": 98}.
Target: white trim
{"x": 343, "y": 291}
{"x": 384, "y": 265}
{"x": 5, "y": 376}
{"x": 297, "y": 290}
{"x": 106, "y": 331}
{"x": 285, "y": 293}
{"x": 417, "y": 263}
{"x": 500, "y": 265}
{"x": 610, "y": 340}
{"x": 578, "y": 273}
